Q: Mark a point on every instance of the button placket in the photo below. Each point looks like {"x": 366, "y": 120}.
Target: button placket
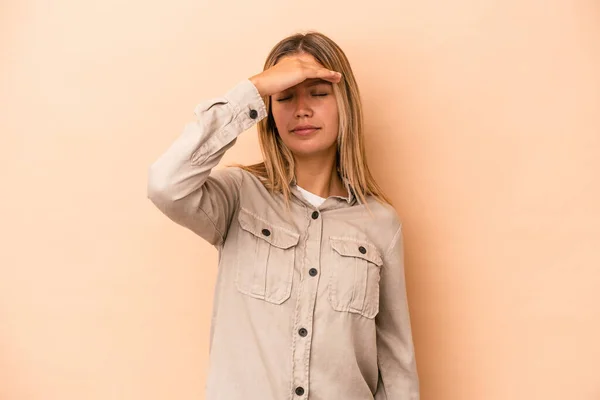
{"x": 307, "y": 294}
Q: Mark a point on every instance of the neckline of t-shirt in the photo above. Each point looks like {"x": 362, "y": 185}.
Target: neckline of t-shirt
{"x": 310, "y": 193}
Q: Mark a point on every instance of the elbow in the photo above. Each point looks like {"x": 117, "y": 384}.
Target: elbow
{"x": 159, "y": 188}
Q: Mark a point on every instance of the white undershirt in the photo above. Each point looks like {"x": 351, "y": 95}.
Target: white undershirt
{"x": 311, "y": 197}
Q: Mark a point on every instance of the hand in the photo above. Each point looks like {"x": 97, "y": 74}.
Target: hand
{"x": 290, "y": 71}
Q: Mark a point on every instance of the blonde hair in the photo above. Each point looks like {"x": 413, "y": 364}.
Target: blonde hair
{"x": 277, "y": 170}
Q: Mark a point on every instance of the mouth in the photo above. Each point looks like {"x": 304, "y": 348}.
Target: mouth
{"x": 304, "y": 130}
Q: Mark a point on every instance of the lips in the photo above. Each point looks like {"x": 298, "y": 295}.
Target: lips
{"x": 305, "y": 129}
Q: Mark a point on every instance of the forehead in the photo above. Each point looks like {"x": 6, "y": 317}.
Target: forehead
{"x": 304, "y": 56}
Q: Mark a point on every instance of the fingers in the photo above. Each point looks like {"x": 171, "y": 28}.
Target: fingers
{"x": 324, "y": 73}
{"x": 332, "y": 76}
{"x": 315, "y": 70}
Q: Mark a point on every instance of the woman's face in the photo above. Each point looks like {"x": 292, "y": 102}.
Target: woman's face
{"x": 306, "y": 117}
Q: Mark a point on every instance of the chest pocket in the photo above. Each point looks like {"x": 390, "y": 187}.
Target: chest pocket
{"x": 266, "y": 256}
{"x": 354, "y": 278}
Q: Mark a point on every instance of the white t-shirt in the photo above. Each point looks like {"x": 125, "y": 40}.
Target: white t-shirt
{"x": 311, "y": 197}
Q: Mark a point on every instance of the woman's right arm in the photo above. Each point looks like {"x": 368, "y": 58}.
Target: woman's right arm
{"x": 180, "y": 182}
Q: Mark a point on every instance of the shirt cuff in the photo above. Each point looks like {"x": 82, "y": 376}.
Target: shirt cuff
{"x": 248, "y": 104}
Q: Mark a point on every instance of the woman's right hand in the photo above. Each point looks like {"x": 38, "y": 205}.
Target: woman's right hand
{"x": 290, "y": 71}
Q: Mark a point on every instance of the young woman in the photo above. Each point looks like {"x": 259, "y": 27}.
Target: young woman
{"x": 310, "y": 300}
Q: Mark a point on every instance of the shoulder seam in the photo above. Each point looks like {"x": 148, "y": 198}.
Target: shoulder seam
{"x": 393, "y": 241}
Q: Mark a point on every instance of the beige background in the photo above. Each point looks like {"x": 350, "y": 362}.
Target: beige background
{"x": 483, "y": 126}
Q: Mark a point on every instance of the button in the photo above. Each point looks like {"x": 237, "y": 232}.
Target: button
{"x": 266, "y": 232}
{"x": 253, "y": 114}
{"x": 312, "y": 272}
{"x": 315, "y": 215}
{"x": 362, "y": 250}
{"x": 302, "y": 332}
{"x": 299, "y": 390}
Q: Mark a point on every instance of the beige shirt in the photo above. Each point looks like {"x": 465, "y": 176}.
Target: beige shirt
{"x": 309, "y": 304}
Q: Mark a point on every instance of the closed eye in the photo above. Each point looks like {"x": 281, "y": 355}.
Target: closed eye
{"x": 314, "y": 95}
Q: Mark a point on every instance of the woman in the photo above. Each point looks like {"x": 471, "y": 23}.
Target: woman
{"x": 310, "y": 299}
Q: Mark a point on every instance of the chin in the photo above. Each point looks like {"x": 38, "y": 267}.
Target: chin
{"x": 309, "y": 149}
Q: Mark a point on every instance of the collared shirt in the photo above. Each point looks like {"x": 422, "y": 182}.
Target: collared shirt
{"x": 308, "y": 304}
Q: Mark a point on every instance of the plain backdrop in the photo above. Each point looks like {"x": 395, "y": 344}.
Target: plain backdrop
{"x": 482, "y": 125}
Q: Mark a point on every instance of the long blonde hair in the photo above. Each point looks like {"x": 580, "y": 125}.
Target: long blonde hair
{"x": 277, "y": 170}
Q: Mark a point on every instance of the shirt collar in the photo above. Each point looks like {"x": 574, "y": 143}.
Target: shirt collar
{"x": 350, "y": 198}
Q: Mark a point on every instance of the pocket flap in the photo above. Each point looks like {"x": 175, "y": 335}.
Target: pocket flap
{"x": 357, "y": 248}
{"x": 277, "y": 236}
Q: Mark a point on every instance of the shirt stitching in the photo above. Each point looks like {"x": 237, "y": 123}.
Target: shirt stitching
{"x": 393, "y": 242}
{"x": 264, "y": 221}
{"x": 221, "y": 236}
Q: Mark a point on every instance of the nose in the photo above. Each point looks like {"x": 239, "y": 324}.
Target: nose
{"x": 303, "y": 107}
